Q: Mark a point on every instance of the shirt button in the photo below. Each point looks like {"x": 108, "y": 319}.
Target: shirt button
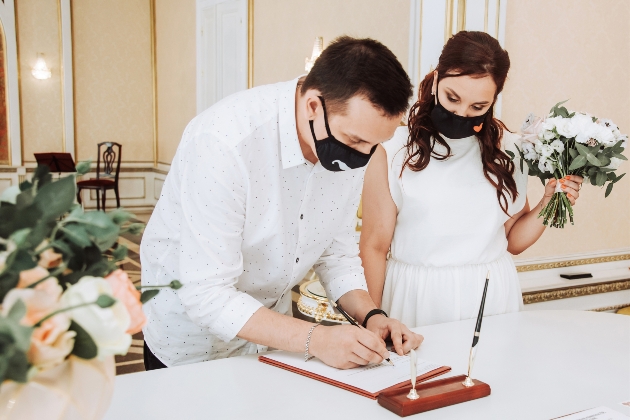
{"x": 301, "y": 216}
{"x": 297, "y": 260}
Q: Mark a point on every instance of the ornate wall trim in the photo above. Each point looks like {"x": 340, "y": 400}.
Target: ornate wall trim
{"x": 575, "y": 291}
{"x": 571, "y": 263}
{"x": 610, "y": 308}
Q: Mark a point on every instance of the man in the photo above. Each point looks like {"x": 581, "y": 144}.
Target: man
{"x": 264, "y": 186}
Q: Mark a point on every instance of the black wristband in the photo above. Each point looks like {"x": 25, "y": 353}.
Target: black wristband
{"x": 372, "y": 313}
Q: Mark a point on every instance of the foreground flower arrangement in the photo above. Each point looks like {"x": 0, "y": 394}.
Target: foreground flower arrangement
{"x": 573, "y": 143}
{"x": 63, "y": 295}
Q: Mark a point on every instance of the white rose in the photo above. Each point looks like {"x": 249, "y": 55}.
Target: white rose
{"x": 558, "y": 146}
{"x": 614, "y": 163}
{"x": 605, "y": 122}
{"x": 548, "y": 135}
{"x": 10, "y": 194}
{"x": 565, "y": 128}
{"x": 106, "y": 326}
{"x": 585, "y": 127}
{"x": 546, "y": 150}
{"x": 605, "y": 136}
{"x": 550, "y": 123}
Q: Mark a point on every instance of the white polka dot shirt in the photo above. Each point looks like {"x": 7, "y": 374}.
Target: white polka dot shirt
{"x": 241, "y": 219}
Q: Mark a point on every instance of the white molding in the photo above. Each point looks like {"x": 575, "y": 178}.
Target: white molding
{"x": 221, "y": 27}
{"x": 572, "y": 257}
{"x": 413, "y": 66}
{"x": 7, "y": 16}
{"x": 67, "y": 75}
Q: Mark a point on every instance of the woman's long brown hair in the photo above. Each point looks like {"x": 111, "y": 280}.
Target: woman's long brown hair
{"x": 474, "y": 54}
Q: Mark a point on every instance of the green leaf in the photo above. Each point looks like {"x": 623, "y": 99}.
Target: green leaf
{"x": 583, "y": 150}
{"x": 175, "y": 284}
{"x": 20, "y": 260}
{"x": 105, "y": 301}
{"x": 578, "y": 162}
{"x": 19, "y": 237}
{"x": 619, "y": 156}
{"x": 17, "y": 367}
{"x": 611, "y": 176}
{"x": 618, "y": 178}
{"x": 135, "y": 228}
{"x": 62, "y": 247}
{"x": 99, "y": 227}
{"x": 77, "y": 235}
{"x": 120, "y": 252}
{"x": 120, "y": 216}
{"x": 84, "y": 345}
{"x": 510, "y": 153}
{"x": 147, "y": 295}
{"x": 574, "y": 153}
{"x": 26, "y": 185}
{"x": 83, "y": 167}
{"x": 600, "y": 178}
{"x": 609, "y": 189}
{"x": 56, "y": 198}
{"x": 17, "y": 311}
{"x": 592, "y": 159}
{"x": 604, "y": 160}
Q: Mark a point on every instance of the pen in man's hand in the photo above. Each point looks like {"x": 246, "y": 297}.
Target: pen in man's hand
{"x": 353, "y": 322}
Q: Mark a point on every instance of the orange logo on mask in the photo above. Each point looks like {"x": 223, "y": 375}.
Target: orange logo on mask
{"x": 477, "y": 128}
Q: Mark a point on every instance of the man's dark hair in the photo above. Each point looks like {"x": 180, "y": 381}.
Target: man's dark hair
{"x": 350, "y": 66}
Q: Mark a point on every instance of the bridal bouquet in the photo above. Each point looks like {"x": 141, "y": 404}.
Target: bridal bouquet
{"x": 61, "y": 290}
{"x": 571, "y": 143}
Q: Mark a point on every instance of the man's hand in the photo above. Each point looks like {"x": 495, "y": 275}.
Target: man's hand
{"x": 347, "y": 346}
{"x": 403, "y": 339}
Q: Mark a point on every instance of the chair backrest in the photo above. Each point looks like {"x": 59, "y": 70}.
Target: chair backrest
{"x": 111, "y": 156}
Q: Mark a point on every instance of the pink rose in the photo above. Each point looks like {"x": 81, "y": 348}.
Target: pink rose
{"x": 52, "y": 342}
{"x": 531, "y": 128}
{"x": 40, "y": 301}
{"x": 124, "y": 290}
{"x": 49, "y": 259}
{"x": 28, "y": 277}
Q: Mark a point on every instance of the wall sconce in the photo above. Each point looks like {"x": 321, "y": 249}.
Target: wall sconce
{"x": 41, "y": 70}
{"x": 318, "y": 47}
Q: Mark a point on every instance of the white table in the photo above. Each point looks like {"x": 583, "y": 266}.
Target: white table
{"x": 540, "y": 365}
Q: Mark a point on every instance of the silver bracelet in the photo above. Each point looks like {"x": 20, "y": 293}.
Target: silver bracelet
{"x": 308, "y": 357}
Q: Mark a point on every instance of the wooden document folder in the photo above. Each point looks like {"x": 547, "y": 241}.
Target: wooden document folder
{"x": 368, "y": 381}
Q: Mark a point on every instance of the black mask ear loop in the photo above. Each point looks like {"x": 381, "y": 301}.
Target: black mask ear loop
{"x": 310, "y": 122}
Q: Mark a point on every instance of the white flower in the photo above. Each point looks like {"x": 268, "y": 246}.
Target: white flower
{"x": 558, "y": 146}
{"x": 10, "y": 194}
{"x": 548, "y": 135}
{"x": 585, "y": 126}
{"x": 531, "y": 118}
{"x": 545, "y": 150}
{"x": 545, "y": 165}
{"x": 614, "y": 163}
{"x": 604, "y": 135}
{"x": 550, "y": 123}
{"x": 529, "y": 152}
{"x": 565, "y": 128}
{"x": 605, "y": 122}
{"x": 106, "y": 326}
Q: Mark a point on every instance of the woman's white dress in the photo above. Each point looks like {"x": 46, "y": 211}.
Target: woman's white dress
{"x": 449, "y": 233}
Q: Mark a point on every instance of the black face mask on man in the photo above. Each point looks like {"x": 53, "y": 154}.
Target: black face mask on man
{"x": 334, "y": 155}
{"x": 451, "y": 125}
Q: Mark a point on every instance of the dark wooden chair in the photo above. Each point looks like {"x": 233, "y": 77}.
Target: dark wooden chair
{"x": 108, "y": 179}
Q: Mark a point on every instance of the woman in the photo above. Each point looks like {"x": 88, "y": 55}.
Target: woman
{"x": 447, "y": 201}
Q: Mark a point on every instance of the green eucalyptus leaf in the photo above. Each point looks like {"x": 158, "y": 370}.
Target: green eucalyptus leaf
{"x": 20, "y": 236}
{"x": 119, "y": 253}
{"x": 609, "y": 189}
{"x": 83, "y": 167}
{"x": 578, "y": 162}
{"x": 611, "y": 176}
{"x": 574, "y": 153}
{"x": 84, "y": 345}
{"x": 62, "y": 247}
{"x": 120, "y": 216}
{"x": 618, "y": 178}
{"x": 26, "y": 185}
{"x": 16, "y": 364}
{"x": 510, "y": 153}
{"x": 583, "y": 150}
{"x": 593, "y": 159}
{"x": 17, "y": 311}
{"x": 600, "y": 178}
{"x": 105, "y": 301}
{"x": 20, "y": 260}
{"x": 56, "y": 198}
{"x": 76, "y": 234}
{"x": 147, "y": 295}
{"x": 619, "y": 156}
{"x": 605, "y": 160}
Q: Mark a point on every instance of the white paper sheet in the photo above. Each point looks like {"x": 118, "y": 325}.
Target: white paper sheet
{"x": 599, "y": 413}
{"x": 371, "y": 378}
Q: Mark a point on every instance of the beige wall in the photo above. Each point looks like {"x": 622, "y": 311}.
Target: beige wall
{"x": 284, "y": 31}
{"x": 41, "y": 106}
{"x": 577, "y": 50}
{"x": 176, "y": 72}
{"x": 113, "y": 77}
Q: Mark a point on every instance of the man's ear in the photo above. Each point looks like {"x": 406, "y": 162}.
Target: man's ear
{"x": 313, "y": 103}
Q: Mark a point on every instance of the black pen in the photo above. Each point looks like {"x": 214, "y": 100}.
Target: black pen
{"x": 353, "y": 322}
{"x": 473, "y": 349}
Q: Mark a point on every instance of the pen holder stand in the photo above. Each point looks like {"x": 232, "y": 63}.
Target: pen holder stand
{"x": 432, "y": 395}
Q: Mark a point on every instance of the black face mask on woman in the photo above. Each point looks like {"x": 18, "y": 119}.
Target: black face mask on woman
{"x": 454, "y": 126}
{"x": 334, "y": 155}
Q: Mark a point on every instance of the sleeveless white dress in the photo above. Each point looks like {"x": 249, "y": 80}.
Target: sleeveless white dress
{"x": 449, "y": 232}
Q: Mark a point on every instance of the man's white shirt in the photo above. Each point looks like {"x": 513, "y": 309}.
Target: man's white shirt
{"x": 241, "y": 219}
